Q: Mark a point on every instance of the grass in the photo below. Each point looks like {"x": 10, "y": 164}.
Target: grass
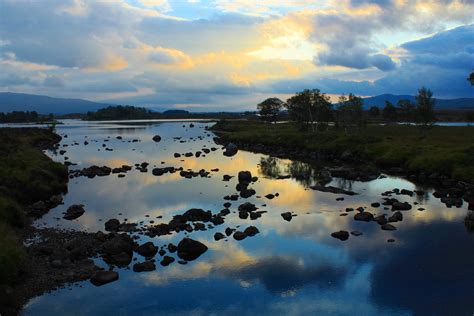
{"x": 441, "y": 149}
{"x": 27, "y": 175}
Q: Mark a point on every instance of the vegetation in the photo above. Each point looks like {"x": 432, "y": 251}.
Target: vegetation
{"x": 119, "y": 113}
{"x": 27, "y": 175}
{"x": 425, "y": 115}
{"x": 447, "y": 150}
{"x": 24, "y": 117}
{"x": 270, "y": 108}
{"x": 350, "y": 114}
{"x": 310, "y": 108}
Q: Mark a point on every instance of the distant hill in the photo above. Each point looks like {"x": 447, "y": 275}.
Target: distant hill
{"x": 44, "y": 105}
{"x": 441, "y": 104}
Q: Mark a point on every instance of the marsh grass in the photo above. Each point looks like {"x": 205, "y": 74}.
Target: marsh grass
{"x": 440, "y": 149}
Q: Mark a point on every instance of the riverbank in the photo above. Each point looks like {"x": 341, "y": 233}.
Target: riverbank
{"x": 30, "y": 184}
{"x": 438, "y": 154}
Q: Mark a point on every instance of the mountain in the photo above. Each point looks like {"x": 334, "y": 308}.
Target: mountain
{"x": 441, "y": 104}
{"x": 44, "y": 105}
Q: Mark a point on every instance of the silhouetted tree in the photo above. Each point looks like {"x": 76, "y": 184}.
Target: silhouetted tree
{"x": 425, "y": 115}
{"x": 350, "y": 112}
{"x": 389, "y": 112}
{"x": 374, "y": 112}
{"x": 270, "y": 108}
{"x": 471, "y": 78}
{"x": 310, "y": 107}
{"x": 407, "y": 110}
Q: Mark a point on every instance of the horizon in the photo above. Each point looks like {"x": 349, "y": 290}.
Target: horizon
{"x": 230, "y": 55}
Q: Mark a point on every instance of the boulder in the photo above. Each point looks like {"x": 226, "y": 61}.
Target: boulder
{"x": 396, "y": 217}
{"x": 147, "y": 250}
{"x": 341, "y": 235}
{"x": 74, "y": 211}
{"x": 112, "y": 225}
{"x": 287, "y": 216}
{"x": 245, "y": 176}
{"x": 238, "y": 235}
{"x": 364, "y": 216}
{"x": 230, "y": 150}
{"x": 251, "y": 231}
{"x": 218, "y": 236}
{"x": 144, "y": 266}
{"x": 157, "y": 138}
{"x": 189, "y": 249}
{"x": 399, "y": 206}
{"x": 167, "y": 260}
{"x": 388, "y": 227}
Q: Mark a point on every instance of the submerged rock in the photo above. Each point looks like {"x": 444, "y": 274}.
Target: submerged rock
{"x": 144, "y": 266}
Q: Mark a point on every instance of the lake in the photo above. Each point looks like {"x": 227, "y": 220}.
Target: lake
{"x": 289, "y": 268}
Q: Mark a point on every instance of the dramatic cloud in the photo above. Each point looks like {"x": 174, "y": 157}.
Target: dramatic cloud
{"x": 228, "y": 55}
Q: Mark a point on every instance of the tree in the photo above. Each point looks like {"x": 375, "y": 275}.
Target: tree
{"x": 270, "y": 108}
{"x": 389, "y": 112}
{"x": 351, "y": 111}
{"x": 425, "y": 115}
{"x": 471, "y": 78}
{"x": 374, "y": 112}
{"x": 310, "y": 107}
{"x": 469, "y": 117}
{"x": 407, "y": 110}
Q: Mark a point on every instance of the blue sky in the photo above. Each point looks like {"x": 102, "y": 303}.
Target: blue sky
{"x": 231, "y": 54}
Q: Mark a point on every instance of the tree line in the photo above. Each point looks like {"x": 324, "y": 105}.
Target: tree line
{"x": 24, "y": 117}
{"x": 312, "y": 109}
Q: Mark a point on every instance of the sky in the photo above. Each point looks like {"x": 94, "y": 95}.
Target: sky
{"x": 231, "y": 55}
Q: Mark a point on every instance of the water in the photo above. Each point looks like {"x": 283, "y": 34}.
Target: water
{"x": 290, "y": 268}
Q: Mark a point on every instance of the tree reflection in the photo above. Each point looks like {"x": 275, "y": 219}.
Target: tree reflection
{"x": 270, "y": 167}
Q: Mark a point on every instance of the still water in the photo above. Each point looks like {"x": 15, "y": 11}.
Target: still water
{"x": 289, "y": 268}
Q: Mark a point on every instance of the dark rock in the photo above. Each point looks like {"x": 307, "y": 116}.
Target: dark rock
{"x": 381, "y": 220}
{"x": 399, "y": 206}
{"x": 226, "y": 177}
{"x": 103, "y": 277}
{"x": 375, "y": 204}
{"x": 287, "y": 216}
{"x": 251, "y": 231}
{"x": 341, "y": 235}
{"x": 112, "y": 225}
{"x": 218, "y": 236}
{"x": 144, "y": 266}
{"x": 238, "y": 235}
{"x": 189, "y": 249}
{"x": 74, "y": 211}
{"x": 245, "y": 176}
{"x": 396, "y": 217}
{"x": 229, "y": 231}
{"x": 331, "y": 189}
{"x": 147, "y": 250}
{"x": 230, "y": 150}
{"x": 356, "y": 233}
{"x": 157, "y": 138}
{"x": 364, "y": 216}
{"x": 270, "y": 196}
{"x": 167, "y": 260}
{"x": 388, "y": 227}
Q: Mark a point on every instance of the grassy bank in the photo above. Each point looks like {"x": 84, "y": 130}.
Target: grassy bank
{"x": 445, "y": 150}
{"x": 27, "y": 175}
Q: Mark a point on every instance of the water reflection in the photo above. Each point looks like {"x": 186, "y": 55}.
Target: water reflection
{"x": 290, "y": 267}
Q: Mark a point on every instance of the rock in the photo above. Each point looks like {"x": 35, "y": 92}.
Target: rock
{"x": 238, "y": 235}
{"x": 144, "y": 266}
{"x": 381, "y": 220}
{"x": 189, "y": 249}
{"x": 356, "y": 233}
{"x": 100, "y": 236}
{"x": 341, "y": 235}
{"x": 270, "y": 196}
{"x": 147, "y": 250}
{"x": 104, "y": 277}
{"x": 112, "y": 225}
{"x": 406, "y": 192}
{"x": 396, "y": 217}
{"x": 251, "y": 231}
{"x": 245, "y": 177}
{"x": 399, "y": 206}
{"x": 218, "y": 236}
{"x": 331, "y": 189}
{"x": 177, "y": 155}
{"x": 172, "y": 248}
{"x": 167, "y": 260}
{"x": 388, "y": 227}
{"x": 287, "y": 216}
{"x": 122, "y": 259}
{"x": 230, "y": 150}
{"x": 364, "y": 216}
{"x": 226, "y": 177}
{"x": 157, "y": 138}
{"x": 117, "y": 244}
{"x": 229, "y": 231}
{"x": 74, "y": 211}
{"x": 375, "y": 204}
{"x": 246, "y": 193}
